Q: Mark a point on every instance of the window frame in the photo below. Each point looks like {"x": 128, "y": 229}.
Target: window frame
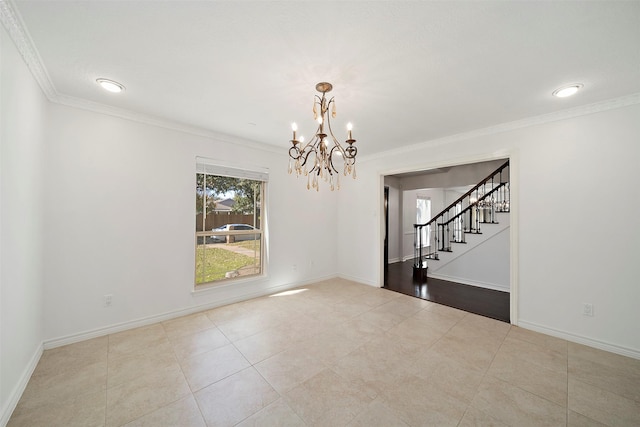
{"x": 426, "y": 231}
{"x": 213, "y": 168}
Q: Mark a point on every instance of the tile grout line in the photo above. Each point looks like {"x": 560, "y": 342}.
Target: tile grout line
{"x": 184, "y": 376}
{"x": 568, "y": 357}
{"x": 531, "y": 392}
{"x": 106, "y": 382}
{"x": 484, "y": 375}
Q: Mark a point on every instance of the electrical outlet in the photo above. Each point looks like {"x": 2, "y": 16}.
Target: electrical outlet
{"x": 587, "y": 309}
{"x": 107, "y": 300}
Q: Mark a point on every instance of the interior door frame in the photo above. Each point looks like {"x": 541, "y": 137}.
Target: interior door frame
{"x": 386, "y": 232}
{"x": 514, "y": 185}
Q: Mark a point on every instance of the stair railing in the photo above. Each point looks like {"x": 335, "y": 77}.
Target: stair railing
{"x": 477, "y": 206}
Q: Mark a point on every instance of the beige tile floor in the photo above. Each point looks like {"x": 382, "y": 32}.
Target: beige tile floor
{"x": 335, "y": 353}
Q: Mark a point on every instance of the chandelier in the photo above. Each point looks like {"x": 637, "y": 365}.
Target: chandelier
{"x": 315, "y": 160}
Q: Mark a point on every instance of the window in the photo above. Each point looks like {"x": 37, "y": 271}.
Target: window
{"x": 229, "y": 223}
{"x": 423, "y": 215}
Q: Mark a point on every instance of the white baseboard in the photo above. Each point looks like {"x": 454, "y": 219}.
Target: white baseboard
{"x": 394, "y": 260}
{"x": 602, "y": 345}
{"x": 359, "y": 280}
{"x": 16, "y": 393}
{"x": 479, "y": 284}
{"x": 149, "y": 320}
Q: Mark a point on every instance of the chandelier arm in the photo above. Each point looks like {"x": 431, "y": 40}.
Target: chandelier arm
{"x": 306, "y": 156}
{"x": 309, "y": 147}
{"x": 349, "y": 159}
{"x": 317, "y": 101}
{"x": 314, "y": 169}
{"x": 296, "y": 151}
{"x": 335, "y": 140}
{"x": 337, "y": 147}
{"x": 329, "y": 103}
{"x": 350, "y": 154}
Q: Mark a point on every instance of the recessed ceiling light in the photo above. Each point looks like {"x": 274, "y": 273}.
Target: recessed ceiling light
{"x": 110, "y": 85}
{"x": 569, "y": 90}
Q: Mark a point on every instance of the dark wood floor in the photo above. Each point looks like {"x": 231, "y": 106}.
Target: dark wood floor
{"x": 485, "y": 302}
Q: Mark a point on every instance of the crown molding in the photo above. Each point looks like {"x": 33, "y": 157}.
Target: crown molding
{"x": 12, "y": 22}
{"x": 152, "y": 120}
{"x": 583, "y": 110}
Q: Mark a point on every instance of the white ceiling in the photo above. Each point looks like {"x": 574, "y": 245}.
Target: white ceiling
{"x": 404, "y": 72}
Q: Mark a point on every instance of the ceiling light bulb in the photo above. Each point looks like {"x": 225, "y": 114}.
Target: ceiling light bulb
{"x": 110, "y": 85}
{"x": 294, "y": 126}
{"x": 565, "y": 91}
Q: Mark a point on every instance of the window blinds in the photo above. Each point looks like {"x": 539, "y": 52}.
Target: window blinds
{"x": 211, "y": 167}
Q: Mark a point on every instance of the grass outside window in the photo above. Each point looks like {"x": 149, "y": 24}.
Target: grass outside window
{"x": 220, "y": 261}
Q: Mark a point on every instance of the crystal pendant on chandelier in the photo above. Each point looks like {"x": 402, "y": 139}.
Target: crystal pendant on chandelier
{"x": 323, "y": 148}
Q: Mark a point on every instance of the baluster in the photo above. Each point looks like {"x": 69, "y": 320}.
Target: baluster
{"x": 415, "y": 247}
{"x": 486, "y": 200}
{"x": 477, "y": 209}
{"x": 445, "y": 231}
{"x": 464, "y": 238}
{"x": 493, "y": 201}
{"x": 470, "y": 210}
{"x": 493, "y": 209}
{"x": 449, "y": 229}
{"x": 417, "y": 254}
{"x": 474, "y": 209}
{"x": 420, "y": 246}
{"x": 507, "y": 196}
{"x": 468, "y": 213}
{"x": 432, "y": 240}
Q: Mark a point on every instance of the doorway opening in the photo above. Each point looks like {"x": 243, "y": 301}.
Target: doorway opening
{"x": 475, "y": 279}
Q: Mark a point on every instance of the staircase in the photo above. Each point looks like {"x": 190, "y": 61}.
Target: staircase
{"x": 463, "y": 227}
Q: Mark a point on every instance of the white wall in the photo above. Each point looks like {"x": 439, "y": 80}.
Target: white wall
{"x": 557, "y": 168}
{"x": 483, "y": 261}
{"x": 22, "y": 106}
{"x": 120, "y": 220}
